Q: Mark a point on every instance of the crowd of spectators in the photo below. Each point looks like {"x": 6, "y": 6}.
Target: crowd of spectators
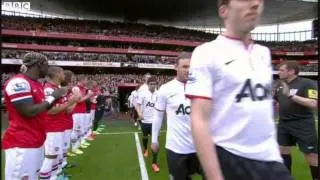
{"x": 130, "y": 30}
{"x": 103, "y": 27}
{"x": 73, "y": 56}
{"x": 110, "y": 81}
{"x": 292, "y": 46}
{"x": 98, "y": 44}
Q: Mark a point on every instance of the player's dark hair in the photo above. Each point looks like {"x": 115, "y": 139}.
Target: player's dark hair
{"x": 68, "y": 73}
{"x": 291, "y": 65}
{"x": 182, "y": 56}
{"x": 53, "y": 70}
{"x": 33, "y": 58}
{"x": 222, "y": 2}
{"x": 152, "y": 79}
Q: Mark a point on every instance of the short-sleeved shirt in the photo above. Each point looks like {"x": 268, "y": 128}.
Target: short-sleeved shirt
{"x": 238, "y": 80}
{"x": 24, "y": 132}
{"x": 55, "y": 122}
{"x": 147, "y": 100}
{"x": 172, "y": 100}
{"x": 81, "y": 106}
{"x": 96, "y": 92}
{"x": 290, "y": 110}
{"x": 69, "y": 119}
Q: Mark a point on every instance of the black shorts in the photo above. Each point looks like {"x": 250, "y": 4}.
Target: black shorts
{"x": 135, "y": 114}
{"x": 301, "y": 132}
{"x": 182, "y": 166}
{"x": 239, "y": 168}
{"x": 146, "y": 128}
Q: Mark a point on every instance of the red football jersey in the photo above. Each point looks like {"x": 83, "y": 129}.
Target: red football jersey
{"x": 68, "y": 116}
{"x": 81, "y": 106}
{"x": 96, "y": 92}
{"x": 24, "y": 132}
{"x": 55, "y": 122}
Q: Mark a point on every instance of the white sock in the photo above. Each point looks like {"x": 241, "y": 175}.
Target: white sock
{"x": 54, "y": 170}
{"x": 65, "y": 162}
{"x": 46, "y": 168}
{"x": 60, "y": 157}
{"x": 75, "y": 143}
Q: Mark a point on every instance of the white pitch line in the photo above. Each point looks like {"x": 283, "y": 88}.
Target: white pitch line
{"x": 125, "y": 132}
{"x": 143, "y": 169}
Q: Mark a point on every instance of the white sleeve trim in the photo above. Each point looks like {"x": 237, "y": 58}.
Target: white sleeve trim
{"x": 21, "y": 98}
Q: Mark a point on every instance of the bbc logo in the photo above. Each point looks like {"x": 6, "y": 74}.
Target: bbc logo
{"x": 18, "y": 5}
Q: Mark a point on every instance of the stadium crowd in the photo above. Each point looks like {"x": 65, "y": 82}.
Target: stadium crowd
{"x": 86, "y": 43}
{"x": 110, "y": 81}
{"x": 103, "y": 27}
{"x": 132, "y": 30}
{"x": 70, "y": 56}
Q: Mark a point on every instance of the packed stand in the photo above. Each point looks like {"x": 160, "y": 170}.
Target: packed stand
{"x": 131, "y": 30}
{"x": 108, "y": 80}
{"x": 103, "y": 27}
{"x": 312, "y": 67}
{"x": 97, "y": 44}
{"x": 292, "y": 46}
{"x": 71, "y": 56}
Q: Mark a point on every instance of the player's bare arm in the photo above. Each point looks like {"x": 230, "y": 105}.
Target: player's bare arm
{"x": 139, "y": 110}
{"x": 200, "y": 116}
{"x": 63, "y": 107}
{"x": 87, "y": 96}
{"x": 156, "y": 126}
{"x": 29, "y": 109}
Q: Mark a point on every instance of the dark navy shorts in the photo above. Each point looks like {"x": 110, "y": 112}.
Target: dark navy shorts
{"x": 182, "y": 166}
{"x": 239, "y": 168}
{"x": 146, "y": 128}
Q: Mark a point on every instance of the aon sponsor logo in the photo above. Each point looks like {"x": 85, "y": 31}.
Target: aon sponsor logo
{"x": 150, "y": 104}
{"x": 256, "y": 92}
{"x": 184, "y": 110}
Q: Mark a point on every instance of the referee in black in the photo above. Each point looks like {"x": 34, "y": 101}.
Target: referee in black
{"x": 297, "y": 98}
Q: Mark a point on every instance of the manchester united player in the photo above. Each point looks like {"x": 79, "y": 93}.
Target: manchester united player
{"x": 79, "y": 115}
{"x": 26, "y": 104}
{"x": 55, "y": 125}
{"x": 231, "y": 105}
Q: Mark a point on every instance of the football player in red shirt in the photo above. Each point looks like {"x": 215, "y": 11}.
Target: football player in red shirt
{"x": 27, "y": 108}
{"x": 55, "y": 125}
{"x": 96, "y": 91}
{"x": 79, "y": 116}
{"x": 68, "y": 123}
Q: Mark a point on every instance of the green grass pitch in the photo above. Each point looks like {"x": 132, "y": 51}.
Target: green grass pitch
{"x": 113, "y": 156}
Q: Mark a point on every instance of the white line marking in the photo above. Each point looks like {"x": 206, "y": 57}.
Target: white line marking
{"x": 128, "y": 132}
{"x": 143, "y": 169}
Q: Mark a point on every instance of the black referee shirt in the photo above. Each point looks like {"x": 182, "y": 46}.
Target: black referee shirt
{"x": 290, "y": 110}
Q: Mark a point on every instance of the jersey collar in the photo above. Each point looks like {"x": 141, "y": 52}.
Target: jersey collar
{"x": 235, "y": 40}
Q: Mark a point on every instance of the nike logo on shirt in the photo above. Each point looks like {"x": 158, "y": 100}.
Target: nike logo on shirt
{"x": 227, "y": 63}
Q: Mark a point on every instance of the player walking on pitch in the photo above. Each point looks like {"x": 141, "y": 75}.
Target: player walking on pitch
{"x": 231, "y": 103}
{"x": 181, "y": 153}
{"x": 145, "y": 109}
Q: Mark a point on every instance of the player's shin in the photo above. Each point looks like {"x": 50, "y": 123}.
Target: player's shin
{"x": 60, "y": 161}
{"x": 154, "y": 157}
{"x": 145, "y": 142}
{"x": 46, "y": 168}
{"x": 287, "y": 161}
